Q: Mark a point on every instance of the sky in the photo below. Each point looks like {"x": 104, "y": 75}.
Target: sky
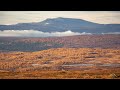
{"x": 102, "y": 17}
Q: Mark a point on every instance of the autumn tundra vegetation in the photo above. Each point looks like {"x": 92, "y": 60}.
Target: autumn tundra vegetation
{"x": 72, "y": 57}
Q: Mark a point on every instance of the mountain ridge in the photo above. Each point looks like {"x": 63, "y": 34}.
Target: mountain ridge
{"x": 61, "y": 24}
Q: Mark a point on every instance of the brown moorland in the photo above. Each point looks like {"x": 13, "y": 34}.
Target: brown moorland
{"x": 61, "y": 63}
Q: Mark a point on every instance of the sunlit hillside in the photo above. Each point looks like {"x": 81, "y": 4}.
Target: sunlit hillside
{"x": 66, "y": 60}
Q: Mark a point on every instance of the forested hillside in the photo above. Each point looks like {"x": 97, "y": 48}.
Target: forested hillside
{"x": 79, "y": 41}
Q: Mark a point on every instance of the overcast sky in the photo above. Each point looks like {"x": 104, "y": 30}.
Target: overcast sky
{"x": 13, "y": 17}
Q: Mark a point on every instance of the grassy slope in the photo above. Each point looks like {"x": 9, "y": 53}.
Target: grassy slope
{"x": 99, "y": 74}
{"x": 51, "y": 60}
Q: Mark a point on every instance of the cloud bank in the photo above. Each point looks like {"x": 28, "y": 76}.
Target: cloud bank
{"x": 112, "y": 33}
{"x": 35, "y": 33}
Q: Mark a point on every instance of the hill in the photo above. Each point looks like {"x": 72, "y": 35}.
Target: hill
{"x": 80, "y": 41}
{"x": 61, "y": 63}
{"x": 61, "y": 58}
{"x": 64, "y": 24}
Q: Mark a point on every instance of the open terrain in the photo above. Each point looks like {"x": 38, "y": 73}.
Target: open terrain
{"x": 79, "y": 41}
{"x": 70, "y": 57}
{"x": 96, "y": 74}
{"x": 61, "y": 63}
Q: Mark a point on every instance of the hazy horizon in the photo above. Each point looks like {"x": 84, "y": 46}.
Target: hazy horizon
{"x": 101, "y": 17}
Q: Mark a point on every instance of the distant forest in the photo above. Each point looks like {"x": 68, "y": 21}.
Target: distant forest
{"x": 79, "y": 41}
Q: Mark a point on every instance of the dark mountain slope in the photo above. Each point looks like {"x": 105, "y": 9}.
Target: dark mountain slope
{"x": 63, "y": 24}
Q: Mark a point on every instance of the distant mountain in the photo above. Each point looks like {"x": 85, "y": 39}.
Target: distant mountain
{"x": 63, "y": 24}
